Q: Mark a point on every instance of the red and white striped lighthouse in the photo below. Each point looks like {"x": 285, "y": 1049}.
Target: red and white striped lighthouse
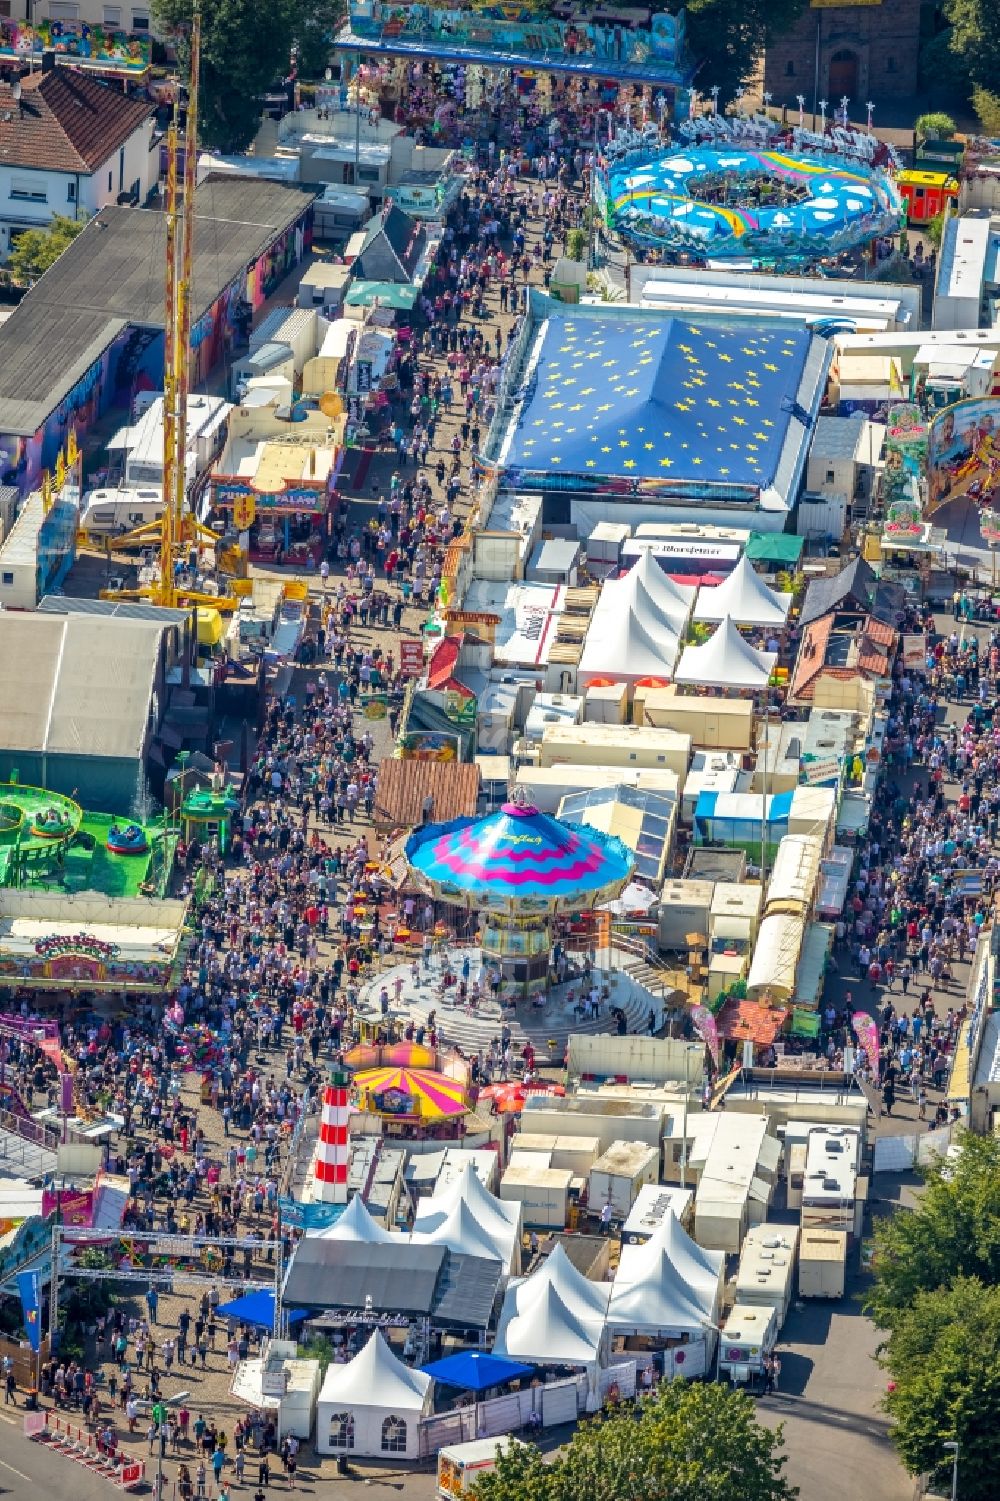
{"x": 333, "y": 1153}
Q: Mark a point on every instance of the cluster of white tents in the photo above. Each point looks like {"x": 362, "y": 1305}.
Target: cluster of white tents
{"x": 669, "y": 1288}
{"x": 638, "y": 627}
{"x": 464, "y": 1216}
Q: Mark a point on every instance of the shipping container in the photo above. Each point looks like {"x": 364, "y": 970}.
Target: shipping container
{"x": 543, "y": 1194}
{"x": 618, "y": 1175}
{"x": 822, "y": 1264}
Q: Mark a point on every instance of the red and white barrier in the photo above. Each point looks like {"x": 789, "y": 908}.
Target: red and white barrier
{"x": 122, "y": 1470}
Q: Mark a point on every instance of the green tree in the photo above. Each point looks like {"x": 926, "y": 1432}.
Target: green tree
{"x": 975, "y": 38}
{"x": 691, "y": 1442}
{"x": 245, "y": 48}
{"x": 576, "y": 244}
{"x": 316, "y": 27}
{"x": 728, "y": 37}
{"x": 36, "y": 249}
{"x": 953, "y": 1232}
{"x": 943, "y": 1356}
{"x": 987, "y": 107}
{"x": 936, "y": 126}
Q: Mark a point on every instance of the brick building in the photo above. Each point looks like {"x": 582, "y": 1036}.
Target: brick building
{"x": 866, "y": 51}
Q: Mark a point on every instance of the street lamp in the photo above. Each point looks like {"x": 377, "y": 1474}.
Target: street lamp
{"x": 822, "y": 115}
{"x": 952, "y": 1447}
{"x": 714, "y": 91}
{"x": 801, "y": 99}
{"x": 870, "y": 107}
{"x": 844, "y": 102}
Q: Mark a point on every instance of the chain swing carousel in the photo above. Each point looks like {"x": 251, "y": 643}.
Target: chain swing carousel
{"x": 518, "y": 869}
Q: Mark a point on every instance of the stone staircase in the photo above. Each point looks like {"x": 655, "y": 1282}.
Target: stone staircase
{"x": 638, "y": 984}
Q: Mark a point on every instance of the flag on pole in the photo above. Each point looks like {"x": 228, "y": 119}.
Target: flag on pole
{"x": 29, "y": 1285}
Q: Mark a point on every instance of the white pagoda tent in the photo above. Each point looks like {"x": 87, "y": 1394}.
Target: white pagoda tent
{"x": 671, "y": 600}
{"x": 466, "y": 1210}
{"x": 355, "y": 1223}
{"x": 702, "y": 1272}
{"x": 744, "y": 597}
{"x": 557, "y": 1316}
{"x": 372, "y": 1406}
{"x": 725, "y": 661}
{"x": 637, "y": 625}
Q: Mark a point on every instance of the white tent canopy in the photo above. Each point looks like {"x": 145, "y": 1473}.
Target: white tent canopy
{"x": 672, "y": 601}
{"x": 776, "y": 956}
{"x": 467, "y": 1207}
{"x": 461, "y": 1232}
{"x": 700, "y": 1271}
{"x": 554, "y": 1317}
{"x": 725, "y": 661}
{"x": 637, "y": 625}
{"x": 660, "y": 1302}
{"x": 372, "y": 1406}
{"x": 745, "y": 597}
{"x": 355, "y": 1223}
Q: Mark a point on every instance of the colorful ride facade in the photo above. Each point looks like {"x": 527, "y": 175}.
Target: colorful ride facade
{"x": 743, "y": 199}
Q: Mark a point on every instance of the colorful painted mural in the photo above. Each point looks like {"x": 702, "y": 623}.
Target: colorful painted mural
{"x": 97, "y": 47}
{"x": 516, "y": 36}
{"x": 963, "y": 453}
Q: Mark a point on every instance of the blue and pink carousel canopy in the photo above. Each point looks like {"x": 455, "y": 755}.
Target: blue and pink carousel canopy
{"x": 519, "y": 861}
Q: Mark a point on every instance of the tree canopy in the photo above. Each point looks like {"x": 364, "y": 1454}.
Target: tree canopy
{"x": 35, "y": 249}
{"x": 953, "y": 1232}
{"x": 944, "y": 1359}
{"x": 727, "y": 37}
{"x": 975, "y": 38}
{"x": 245, "y": 48}
{"x": 691, "y": 1442}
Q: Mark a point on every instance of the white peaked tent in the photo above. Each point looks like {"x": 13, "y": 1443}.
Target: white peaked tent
{"x": 461, "y": 1232}
{"x": 659, "y": 1303}
{"x": 355, "y": 1223}
{"x": 725, "y": 661}
{"x": 557, "y": 1316}
{"x": 495, "y": 1221}
{"x": 745, "y": 597}
{"x": 672, "y": 601}
{"x": 637, "y": 625}
{"x": 372, "y": 1406}
{"x": 701, "y": 1272}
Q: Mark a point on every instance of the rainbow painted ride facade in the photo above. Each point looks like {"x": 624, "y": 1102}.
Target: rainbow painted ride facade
{"x": 750, "y": 191}
{"x": 518, "y": 868}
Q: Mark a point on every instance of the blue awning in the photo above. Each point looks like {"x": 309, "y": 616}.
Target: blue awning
{"x": 474, "y": 1372}
{"x": 257, "y": 1308}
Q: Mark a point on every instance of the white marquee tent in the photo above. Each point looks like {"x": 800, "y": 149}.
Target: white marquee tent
{"x": 461, "y": 1232}
{"x": 466, "y": 1209}
{"x": 701, "y": 1272}
{"x": 745, "y": 597}
{"x": 372, "y": 1406}
{"x": 557, "y": 1316}
{"x": 776, "y": 956}
{"x": 355, "y": 1223}
{"x": 725, "y": 661}
{"x": 637, "y": 625}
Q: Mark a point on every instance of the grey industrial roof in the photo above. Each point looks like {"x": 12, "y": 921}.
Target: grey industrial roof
{"x": 837, "y": 437}
{"x": 112, "y": 275}
{"x": 66, "y": 604}
{"x": 399, "y": 1277}
{"x": 76, "y": 685}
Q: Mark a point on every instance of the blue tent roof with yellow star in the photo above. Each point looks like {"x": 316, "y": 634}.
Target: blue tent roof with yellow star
{"x": 658, "y": 398}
